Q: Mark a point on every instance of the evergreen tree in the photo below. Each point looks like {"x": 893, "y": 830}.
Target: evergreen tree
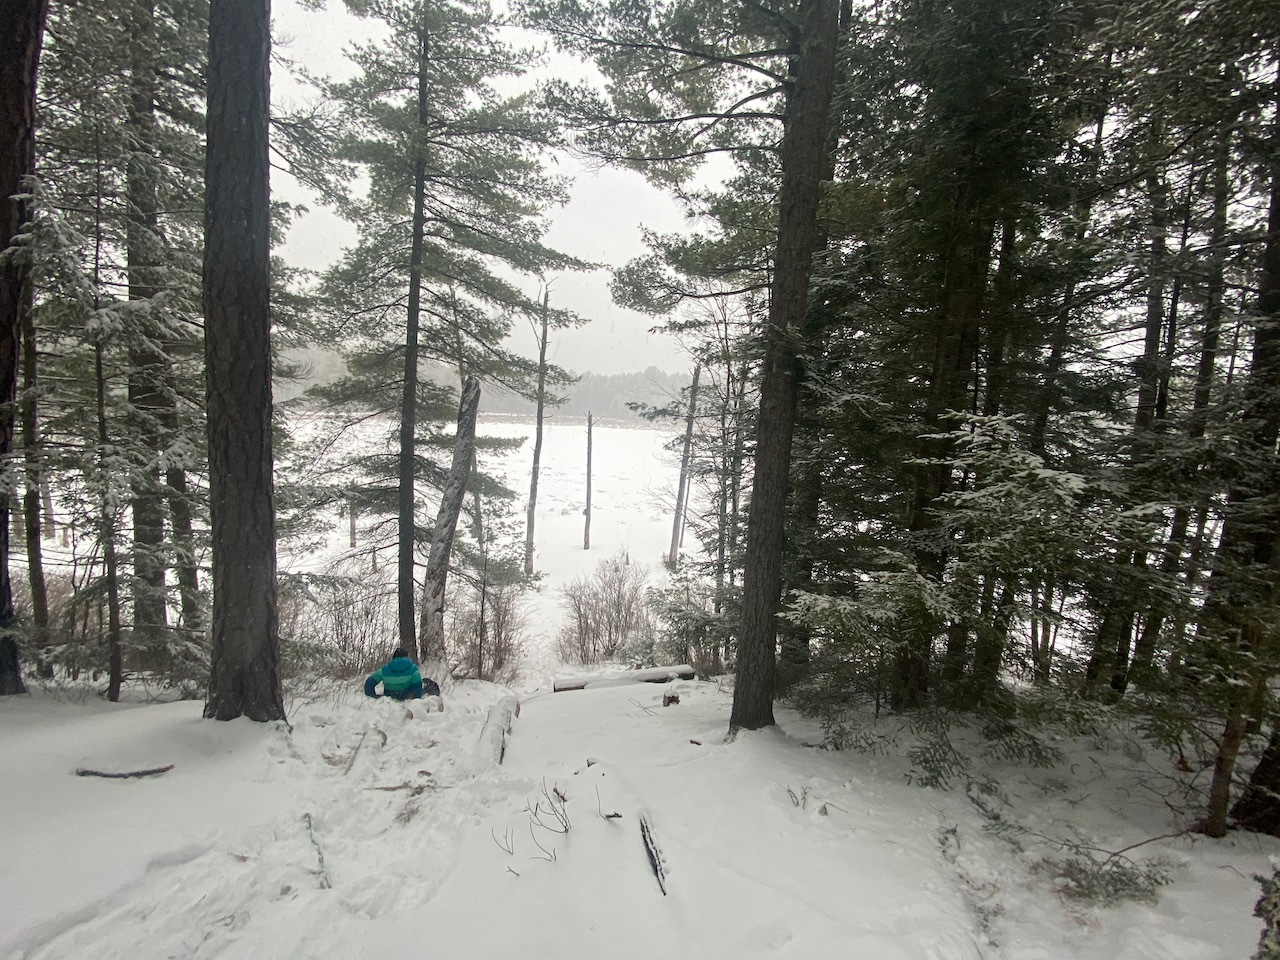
{"x": 20, "y": 56}
{"x": 455, "y": 199}
{"x": 245, "y": 678}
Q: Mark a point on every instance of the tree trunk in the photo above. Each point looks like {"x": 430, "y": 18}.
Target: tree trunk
{"x": 34, "y": 481}
{"x": 677, "y": 522}
{"x": 147, "y": 359}
{"x": 804, "y": 160}
{"x": 20, "y": 39}
{"x": 1144, "y": 651}
{"x": 107, "y": 521}
{"x": 409, "y": 397}
{"x": 245, "y": 678}
{"x": 432, "y": 656}
{"x": 586, "y": 512}
{"x": 1258, "y": 808}
{"x": 1113, "y": 650}
{"x": 532, "y": 513}
{"x": 1242, "y": 592}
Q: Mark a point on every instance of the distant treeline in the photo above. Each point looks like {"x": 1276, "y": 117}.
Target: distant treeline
{"x": 603, "y": 395}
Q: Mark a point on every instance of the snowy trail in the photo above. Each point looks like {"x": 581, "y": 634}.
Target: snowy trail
{"x": 748, "y": 852}
{"x": 378, "y": 828}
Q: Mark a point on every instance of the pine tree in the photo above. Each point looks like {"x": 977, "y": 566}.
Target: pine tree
{"x": 456, "y": 198}
{"x": 245, "y": 677}
{"x": 19, "y": 56}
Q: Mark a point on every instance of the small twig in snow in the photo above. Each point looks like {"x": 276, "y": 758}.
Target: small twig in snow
{"x": 600, "y": 807}
{"x": 549, "y": 855}
{"x": 354, "y": 753}
{"x": 507, "y": 842}
{"x": 325, "y": 882}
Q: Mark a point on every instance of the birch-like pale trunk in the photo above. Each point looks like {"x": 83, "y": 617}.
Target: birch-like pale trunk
{"x": 435, "y": 663}
{"x": 677, "y": 524}
{"x": 537, "y": 436}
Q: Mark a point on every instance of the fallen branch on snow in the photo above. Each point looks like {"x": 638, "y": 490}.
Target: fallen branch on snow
{"x": 654, "y": 854}
{"x": 124, "y": 774}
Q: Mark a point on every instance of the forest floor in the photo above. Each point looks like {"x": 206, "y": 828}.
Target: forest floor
{"x": 374, "y": 828}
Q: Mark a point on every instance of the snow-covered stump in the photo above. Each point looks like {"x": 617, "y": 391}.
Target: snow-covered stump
{"x": 493, "y": 735}
{"x": 678, "y": 671}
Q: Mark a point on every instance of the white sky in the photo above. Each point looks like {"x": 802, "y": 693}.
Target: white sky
{"x": 601, "y": 223}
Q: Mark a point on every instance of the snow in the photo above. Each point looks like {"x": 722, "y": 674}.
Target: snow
{"x": 377, "y": 828}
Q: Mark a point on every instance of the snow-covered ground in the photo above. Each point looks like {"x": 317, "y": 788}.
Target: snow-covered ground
{"x": 377, "y": 829}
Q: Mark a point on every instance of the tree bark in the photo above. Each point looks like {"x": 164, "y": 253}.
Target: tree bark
{"x": 245, "y": 678}
{"x": 21, "y": 33}
{"x": 677, "y": 523}
{"x": 532, "y": 513}
{"x": 409, "y": 397}
{"x": 1242, "y": 592}
{"x": 115, "y": 650}
{"x": 34, "y": 481}
{"x": 147, "y": 358}
{"x": 433, "y": 656}
{"x": 804, "y": 159}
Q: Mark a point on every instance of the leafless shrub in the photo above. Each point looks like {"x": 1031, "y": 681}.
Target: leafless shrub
{"x": 486, "y": 630}
{"x": 340, "y": 623}
{"x": 604, "y": 611}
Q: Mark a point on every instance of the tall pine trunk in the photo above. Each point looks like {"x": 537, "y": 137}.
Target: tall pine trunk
{"x": 147, "y": 360}
{"x": 107, "y": 526}
{"x": 409, "y": 398}
{"x": 34, "y": 481}
{"x": 245, "y": 678}
{"x": 1242, "y": 593}
{"x": 804, "y": 161}
{"x": 20, "y": 38}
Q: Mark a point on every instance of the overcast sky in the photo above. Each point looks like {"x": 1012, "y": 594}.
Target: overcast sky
{"x": 601, "y": 223}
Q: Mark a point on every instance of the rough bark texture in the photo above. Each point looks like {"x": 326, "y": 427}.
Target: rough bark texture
{"x": 1259, "y": 807}
{"x": 33, "y": 480}
{"x": 434, "y": 661}
{"x": 799, "y": 236}
{"x": 245, "y": 678}
{"x": 408, "y": 420}
{"x": 111, "y": 567}
{"x": 21, "y": 32}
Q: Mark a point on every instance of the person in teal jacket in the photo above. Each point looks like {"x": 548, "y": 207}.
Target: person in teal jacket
{"x": 400, "y": 680}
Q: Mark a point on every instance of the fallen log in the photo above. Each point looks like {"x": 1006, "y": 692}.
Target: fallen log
{"x": 493, "y": 735}
{"x": 124, "y": 774}
{"x": 618, "y": 678}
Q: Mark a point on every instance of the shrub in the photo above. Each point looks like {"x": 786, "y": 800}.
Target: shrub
{"x": 487, "y": 624}
{"x": 341, "y": 623}
{"x": 606, "y": 612}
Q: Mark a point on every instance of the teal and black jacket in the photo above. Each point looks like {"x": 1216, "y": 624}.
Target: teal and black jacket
{"x": 400, "y": 680}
